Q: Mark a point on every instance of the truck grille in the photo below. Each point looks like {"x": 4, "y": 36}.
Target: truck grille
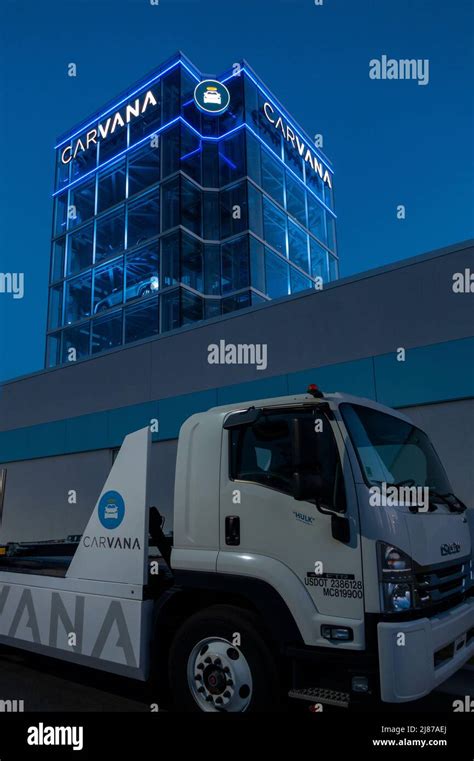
{"x": 436, "y": 585}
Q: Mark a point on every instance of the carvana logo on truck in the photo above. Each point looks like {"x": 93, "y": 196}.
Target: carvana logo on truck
{"x": 111, "y": 509}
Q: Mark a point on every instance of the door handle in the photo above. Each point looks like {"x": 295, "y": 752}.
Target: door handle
{"x": 232, "y": 530}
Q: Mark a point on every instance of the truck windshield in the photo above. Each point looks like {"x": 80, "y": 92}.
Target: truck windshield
{"x": 393, "y": 451}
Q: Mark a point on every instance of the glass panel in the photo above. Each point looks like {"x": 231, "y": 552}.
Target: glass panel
{"x": 253, "y": 158}
{"x": 232, "y": 158}
{"x": 110, "y": 233}
{"x": 191, "y": 207}
{"x": 170, "y": 152}
{"x": 78, "y": 298}
{"x": 53, "y": 348}
{"x": 80, "y": 246}
{"x": 62, "y": 170}
{"x": 141, "y": 320}
{"x": 316, "y": 218}
{"x": 267, "y": 131}
{"x": 113, "y": 144}
{"x": 212, "y": 270}
{"x": 108, "y": 286}
{"x": 211, "y": 215}
{"x": 255, "y": 210}
{"x": 111, "y": 186}
{"x": 142, "y": 273}
{"x": 272, "y": 177}
{"x": 314, "y": 181}
{"x": 276, "y": 275}
{"x": 292, "y": 158}
{"x": 191, "y": 151}
{"x": 233, "y": 210}
{"x": 210, "y": 165}
{"x": 235, "y": 113}
{"x": 212, "y": 308}
{"x": 170, "y": 311}
{"x": 257, "y": 265}
{"x": 191, "y": 308}
{"x": 333, "y": 267}
{"x": 192, "y": 263}
{"x": 76, "y": 338}
{"x": 55, "y": 306}
{"x": 295, "y": 199}
{"x": 235, "y": 265}
{"x": 328, "y": 195}
{"x": 251, "y": 101}
{"x": 170, "y": 94}
{"x": 81, "y": 203}
{"x": 274, "y": 226}
{"x": 170, "y": 204}
{"x": 143, "y": 219}
{"x": 319, "y": 261}
{"x": 331, "y": 232}
{"x": 170, "y": 247}
{"x": 57, "y": 259}
{"x": 298, "y": 246}
{"x": 107, "y": 332}
{"x": 143, "y": 169}
{"x": 233, "y": 303}
{"x": 86, "y": 160}
{"x": 60, "y": 214}
{"x": 299, "y": 282}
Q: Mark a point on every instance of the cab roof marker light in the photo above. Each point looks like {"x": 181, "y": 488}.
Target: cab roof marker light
{"x": 128, "y": 97}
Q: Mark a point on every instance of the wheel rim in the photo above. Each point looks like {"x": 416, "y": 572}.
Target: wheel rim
{"x": 219, "y": 676}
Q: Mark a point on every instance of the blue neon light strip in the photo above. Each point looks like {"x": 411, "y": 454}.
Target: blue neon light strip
{"x": 228, "y": 161}
{"x": 244, "y": 125}
{"x": 128, "y": 97}
{"x": 192, "y": 153}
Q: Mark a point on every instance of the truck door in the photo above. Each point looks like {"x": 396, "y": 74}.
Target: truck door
{"x": 257, "y": 490}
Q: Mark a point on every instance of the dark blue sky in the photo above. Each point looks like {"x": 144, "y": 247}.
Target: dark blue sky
{"x": 391, "y": 142}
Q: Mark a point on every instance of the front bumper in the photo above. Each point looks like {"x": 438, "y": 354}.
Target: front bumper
{"x": 416, "y": 656}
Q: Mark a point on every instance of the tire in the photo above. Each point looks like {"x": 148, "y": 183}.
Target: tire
{"x": 235, "y": 679}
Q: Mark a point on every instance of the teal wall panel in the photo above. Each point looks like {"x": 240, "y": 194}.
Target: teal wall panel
{"x": 436, "y": 373}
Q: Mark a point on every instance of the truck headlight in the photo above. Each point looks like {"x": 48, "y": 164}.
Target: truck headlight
{"x": 397, "y": 597}
{"x": 396, "y": 576}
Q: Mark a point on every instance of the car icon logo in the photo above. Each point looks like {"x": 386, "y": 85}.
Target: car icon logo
{"x": 212, "y": 96}
{"x": 111, "y": 511}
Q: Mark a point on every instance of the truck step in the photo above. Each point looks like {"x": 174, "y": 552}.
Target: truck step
{"x": 322, "y": 695}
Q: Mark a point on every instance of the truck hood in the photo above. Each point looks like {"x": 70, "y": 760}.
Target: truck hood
{"x": 438, "y": 537}
{"x": 428, "y": 538}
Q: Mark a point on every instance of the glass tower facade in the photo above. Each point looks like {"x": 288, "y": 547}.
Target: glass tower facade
{"x": 165, "y": 215}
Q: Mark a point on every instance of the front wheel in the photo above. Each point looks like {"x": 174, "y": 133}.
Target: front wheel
{"x": 219, "y": 662}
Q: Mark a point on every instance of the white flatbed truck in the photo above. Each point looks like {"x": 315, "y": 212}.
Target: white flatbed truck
{"x": 282, "y": 577}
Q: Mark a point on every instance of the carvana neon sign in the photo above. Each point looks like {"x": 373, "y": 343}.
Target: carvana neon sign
{"x": 108, "y": 127}
{"x": 290, "y": 135}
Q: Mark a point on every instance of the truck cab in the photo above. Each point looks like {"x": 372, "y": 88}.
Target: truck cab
{"x": 331, "y": 522}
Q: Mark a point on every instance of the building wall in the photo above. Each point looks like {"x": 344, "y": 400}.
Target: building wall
{"x": 58, "y": 427}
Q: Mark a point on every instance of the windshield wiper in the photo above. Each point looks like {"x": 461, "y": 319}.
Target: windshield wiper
{"x": 454, "y": 504}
